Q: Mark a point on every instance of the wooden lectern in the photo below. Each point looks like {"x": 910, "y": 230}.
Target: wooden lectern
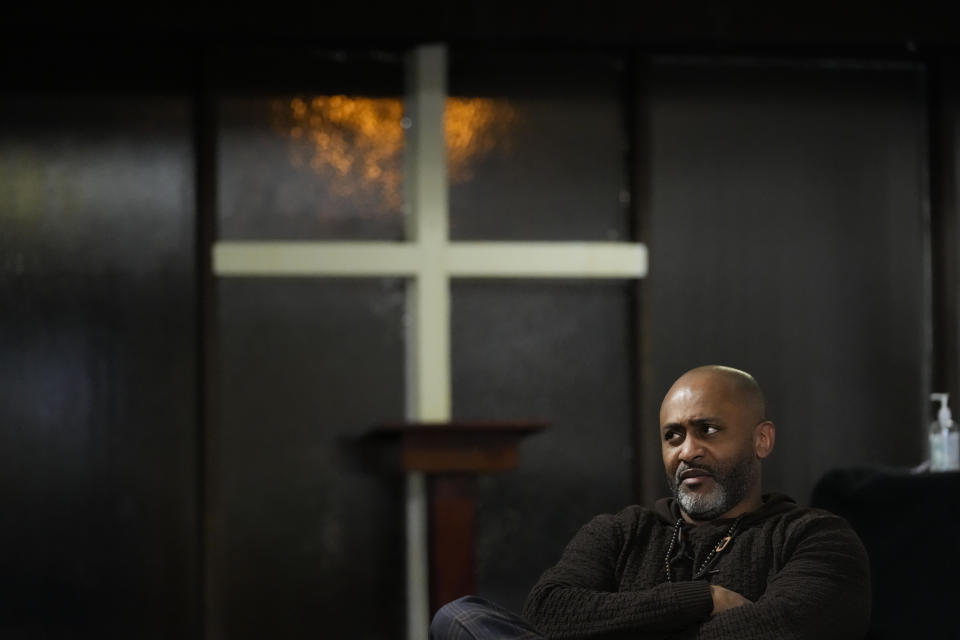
{"x": 452, "y": 455}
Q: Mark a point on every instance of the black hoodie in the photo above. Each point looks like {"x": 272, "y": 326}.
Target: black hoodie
{"x": 804, "y": 571}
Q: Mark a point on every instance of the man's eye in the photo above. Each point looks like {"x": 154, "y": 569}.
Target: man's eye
{"x": 709, "y": 429}
{"x": 671, "y": 436}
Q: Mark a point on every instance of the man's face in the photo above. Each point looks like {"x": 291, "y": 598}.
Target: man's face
{"x": 708, "y": 447}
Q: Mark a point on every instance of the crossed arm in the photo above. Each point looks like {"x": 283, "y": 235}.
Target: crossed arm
{"x": 821, "y": 591}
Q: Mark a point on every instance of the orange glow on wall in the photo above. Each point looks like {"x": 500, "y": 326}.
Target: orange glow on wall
{"x": 356, "y": 143}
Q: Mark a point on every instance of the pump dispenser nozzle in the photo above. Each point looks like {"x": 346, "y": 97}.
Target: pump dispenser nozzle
{"x": 943, "y": 414}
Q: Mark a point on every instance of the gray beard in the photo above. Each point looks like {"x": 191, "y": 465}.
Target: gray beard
{"x": 733, "y": 483}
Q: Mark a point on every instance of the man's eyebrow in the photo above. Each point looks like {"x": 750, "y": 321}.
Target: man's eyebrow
{"x": 696, "y": 421}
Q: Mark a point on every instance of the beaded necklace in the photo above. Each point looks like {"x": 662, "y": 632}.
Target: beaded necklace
{"x": 711, "y": 557}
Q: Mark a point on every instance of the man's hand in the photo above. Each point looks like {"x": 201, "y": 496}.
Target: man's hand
{"x": 724, "y": 599}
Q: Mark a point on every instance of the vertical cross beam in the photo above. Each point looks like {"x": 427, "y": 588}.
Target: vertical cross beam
{"x": 428, "y": 300}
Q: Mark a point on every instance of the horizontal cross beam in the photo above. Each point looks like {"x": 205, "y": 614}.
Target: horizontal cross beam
{"x": 455, "y": 259}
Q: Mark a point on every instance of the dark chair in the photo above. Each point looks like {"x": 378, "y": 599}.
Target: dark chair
{"x": 910, "y": 525}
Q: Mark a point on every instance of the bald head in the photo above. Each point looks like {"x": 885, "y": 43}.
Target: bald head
{"x": 735, "y": 385}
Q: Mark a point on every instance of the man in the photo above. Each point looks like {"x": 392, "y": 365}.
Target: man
{"x": 717, "y": 560}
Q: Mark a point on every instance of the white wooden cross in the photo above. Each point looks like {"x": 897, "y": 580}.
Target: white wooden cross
{"x": 429, "y": 260}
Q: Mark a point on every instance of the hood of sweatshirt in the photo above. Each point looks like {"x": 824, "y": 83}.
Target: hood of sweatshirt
{"x": 668, "y": 510}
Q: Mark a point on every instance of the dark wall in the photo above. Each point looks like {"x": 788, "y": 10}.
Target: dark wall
{"x": 788, "y": 237}
{"x": 560, "y": 352}
{"x": 98, "y": 385}
{"x": 306, "y": 529}
{"x": 945, "y": 229}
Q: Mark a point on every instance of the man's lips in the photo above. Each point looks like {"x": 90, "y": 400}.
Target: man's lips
{"x": 694, "y": 475}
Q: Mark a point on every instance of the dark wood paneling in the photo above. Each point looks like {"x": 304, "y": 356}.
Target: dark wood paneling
{"x": 945, "y": 197}
{"x": 554, "y": 351}
{"x": 309, "y": 532}
{"x": 788, "y": 238}
{"x": 97, "y": 367}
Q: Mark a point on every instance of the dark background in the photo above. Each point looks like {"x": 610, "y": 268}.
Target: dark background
{"x": 177, "y": 452}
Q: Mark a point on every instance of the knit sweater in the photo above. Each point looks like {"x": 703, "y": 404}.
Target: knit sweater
{"x": 805, "y": 572}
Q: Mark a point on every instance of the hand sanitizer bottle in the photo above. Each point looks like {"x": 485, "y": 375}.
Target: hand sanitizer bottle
{"x": 944, "y": 438}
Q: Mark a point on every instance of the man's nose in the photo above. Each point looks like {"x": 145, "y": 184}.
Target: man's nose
{"x": 691, "y": 449}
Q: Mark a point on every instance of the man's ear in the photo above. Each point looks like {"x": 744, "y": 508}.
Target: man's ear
{"x": 764, "y": 436}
